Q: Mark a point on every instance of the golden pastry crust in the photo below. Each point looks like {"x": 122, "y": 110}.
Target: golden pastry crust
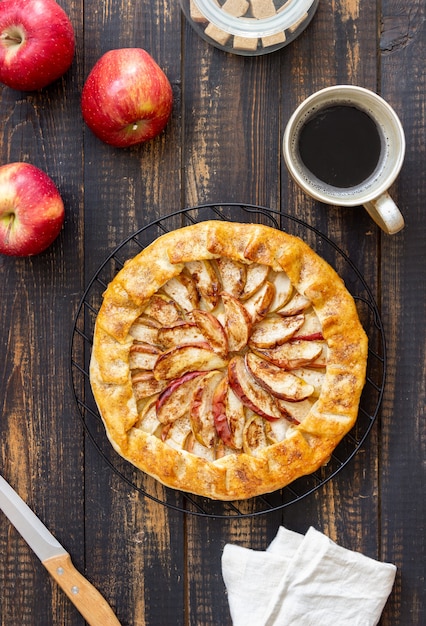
{"x": 266, "y": 461}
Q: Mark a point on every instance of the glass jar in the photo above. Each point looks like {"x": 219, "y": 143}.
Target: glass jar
{"x": 249, "y": 27}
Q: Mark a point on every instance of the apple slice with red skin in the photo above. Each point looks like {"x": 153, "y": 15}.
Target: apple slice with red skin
{"x": 278, "y": 382}
{"x": 229, "y": 415}
{"x": 259, "y": 304}
{"x": 183, "y": 291}
{"x": 177, "y": 361}
{"x": 311, "y": 330}
{"x": 212, "y": 330}
{"x": 292, "y": 354}
{"x": 219, "y": 412}
{"x": 177, "y": 397}
{"x": 321, "y": 361}
{"x": 237, "y": 323}
{"x": 201, "y": 412}
{"x": 251, "y": 394}
{"x": 206, "y": 281}
{"x": 232, "y": 275}
{"x": 275, "y": 330}
{"x": 311, "y": 337}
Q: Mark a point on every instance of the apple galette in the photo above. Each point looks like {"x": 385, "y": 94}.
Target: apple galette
{"x": 228, "y": 360}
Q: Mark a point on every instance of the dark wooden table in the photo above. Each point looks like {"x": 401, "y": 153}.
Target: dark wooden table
{"x": 156, "y": 565}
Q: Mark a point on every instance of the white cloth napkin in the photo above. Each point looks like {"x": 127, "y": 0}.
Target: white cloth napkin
{"x": 305, "y": 580}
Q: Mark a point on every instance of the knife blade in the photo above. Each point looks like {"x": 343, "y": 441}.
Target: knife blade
{"x": 85, "y": 597}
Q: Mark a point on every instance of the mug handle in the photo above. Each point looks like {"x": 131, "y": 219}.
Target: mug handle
{"x": 385, "y": 213}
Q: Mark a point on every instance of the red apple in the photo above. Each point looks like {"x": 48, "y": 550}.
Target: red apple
{"x": 36, "y": 43}
{"x": 127, "y": 98}
{"x": 31, "y": 210}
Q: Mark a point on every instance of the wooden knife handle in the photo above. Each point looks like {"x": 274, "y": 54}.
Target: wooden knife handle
{"x": 85, "y": 597}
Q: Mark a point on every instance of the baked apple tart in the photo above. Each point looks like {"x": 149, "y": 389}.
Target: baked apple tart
{"x": 228, "y": 360}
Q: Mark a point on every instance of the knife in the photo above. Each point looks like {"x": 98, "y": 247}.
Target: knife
{"x": 85, "y": 597}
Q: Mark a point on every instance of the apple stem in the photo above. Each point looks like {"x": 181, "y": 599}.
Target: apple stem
{"x": 12, "y": 39}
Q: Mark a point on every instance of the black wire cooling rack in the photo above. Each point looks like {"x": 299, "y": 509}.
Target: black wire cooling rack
{"x": 81, "y": 343}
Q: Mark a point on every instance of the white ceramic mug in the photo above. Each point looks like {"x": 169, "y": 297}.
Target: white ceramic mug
{"x": 371, "y": 192}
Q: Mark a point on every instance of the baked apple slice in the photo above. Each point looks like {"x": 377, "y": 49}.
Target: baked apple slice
{"x": 276, "y": 431}
{"x": 236, "y": 416}
{"x": 311, "y": 330}
{"x": 321, "y": 361}
{"x": 295, "y": 412}
{"x": 212, "y": 330}
{"x": 177, "y": 433}
{"x": 145, "y": 329}
{"x": 219, "y": 412}
{"x": 143, "y": 356}
{"x": 183, "y": 291}
{"x": 283, "y": 289}
{"x": 182, "y": 333}
{"x": 176, "y": 399}
{"x": 206, "y": 281}
{"x": 148, "y": 421}
{"x": 292, "y": 354}
{"x": 251, "y": 394}
{"x": 275, "y": 330}
{"x": 254, "y": 435}
{"x": 260, "y": 302}
{"x": 177, "y": 361}
{"x": 278, "y": 382}
{"x": 297, "y": 304}
{"x": 229, "y": 415}
{"x": 201, "y": 413}
{"x": 314, "y": 377}
{"x": 233, "y": 275}
{"x": 255, "y": 278}
{"x": 163, "y": 309}
{"x": 237, "y": 322}
{"x": 145, "y": 384}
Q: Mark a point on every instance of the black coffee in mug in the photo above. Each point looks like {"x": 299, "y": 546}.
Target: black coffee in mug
{"x": 344, "y": 146}
{"x": 340, "y": 145}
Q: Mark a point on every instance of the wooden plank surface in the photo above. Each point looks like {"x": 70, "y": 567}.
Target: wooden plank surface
{"x": 154, "y": 564}
{"x": 402, "y": 45}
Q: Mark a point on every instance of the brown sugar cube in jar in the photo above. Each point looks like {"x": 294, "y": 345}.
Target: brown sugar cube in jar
{"x": 273, "y": 40}
{"x": 245, "y": 43}
{"x": 217, "y": 34}
{"x": 262, "y": 8}
{"x": 237, "y": 8}
{"x": 195, "y": 13}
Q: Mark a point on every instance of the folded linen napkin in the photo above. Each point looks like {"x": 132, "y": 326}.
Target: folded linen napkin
{"x": 305, "y": 580}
